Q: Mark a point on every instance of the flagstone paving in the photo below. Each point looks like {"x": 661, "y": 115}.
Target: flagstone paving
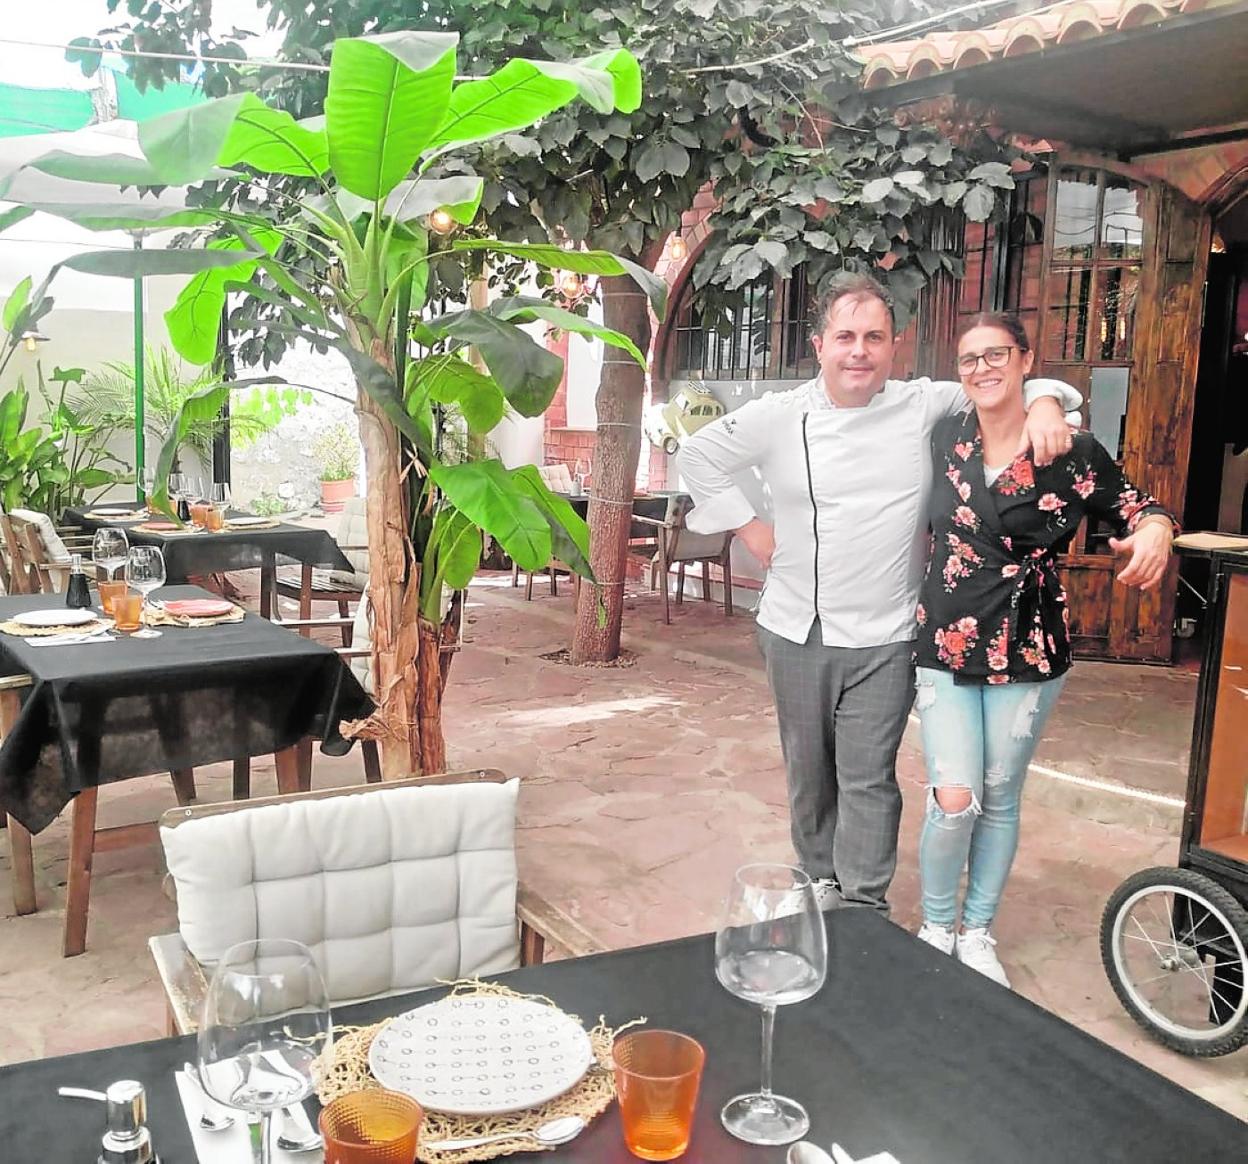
{"x": 643, "y": 788}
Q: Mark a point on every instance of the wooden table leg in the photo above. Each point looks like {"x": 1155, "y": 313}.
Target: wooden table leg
{"x": 23, "y": 868}
{"x": 305, "y": 598}
{"x": 78, "y": 890}
{"x": 268, "y": 584}
{"x": 287, "y": 761}
{"x": 305, "y": 764}
{"x": 184, "y": 785}
{"x": 242, "y": 779}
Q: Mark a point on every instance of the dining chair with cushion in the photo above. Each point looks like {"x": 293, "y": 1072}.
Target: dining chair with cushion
{"x": 38, "y": 559}
{"x": 679, "y": 546}
{"x": 307, "y": 584}
{"x": 393, "y": 887}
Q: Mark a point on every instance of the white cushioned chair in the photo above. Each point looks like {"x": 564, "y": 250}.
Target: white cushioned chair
{"x": 308, "y": 584}
{"x": 391, "y": 886}
{"x": 38, "y": 559}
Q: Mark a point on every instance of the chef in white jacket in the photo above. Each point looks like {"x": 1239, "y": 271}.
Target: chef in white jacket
{"x": 846, "y": 463}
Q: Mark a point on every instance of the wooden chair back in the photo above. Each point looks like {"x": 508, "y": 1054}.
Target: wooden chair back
{"x": 27, "y": 571}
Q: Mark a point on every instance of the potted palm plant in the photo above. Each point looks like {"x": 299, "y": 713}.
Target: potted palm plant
{"x": 337, "y": 451}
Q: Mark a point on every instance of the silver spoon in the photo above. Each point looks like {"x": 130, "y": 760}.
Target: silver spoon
{"x": 807, "y": 1153}
{"x": 293, "y": 1138}
{"x": 213, "y": 1116}
{"x": 549, "y": 1135}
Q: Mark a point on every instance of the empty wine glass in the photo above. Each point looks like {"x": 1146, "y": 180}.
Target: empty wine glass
{"x": 147, "y": 479}
{"x": 109, "y": 548}
{"x": 220, "y": 495}
{"x": 773, "y": 950}
{"x": 145, "y": 571}
{"x": 266, "y": 1019}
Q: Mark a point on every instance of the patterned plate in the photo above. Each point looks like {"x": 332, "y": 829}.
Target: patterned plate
{"x": 479, "y": 1055}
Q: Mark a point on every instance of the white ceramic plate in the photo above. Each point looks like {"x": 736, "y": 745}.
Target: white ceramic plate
{"x": 63, "y": 617}
{"x": 242, "y": 521}
{"x": 478, "y": 1055}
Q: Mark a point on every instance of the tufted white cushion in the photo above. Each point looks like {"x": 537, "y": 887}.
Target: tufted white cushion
{"x": 362, "y": 639}
{"x": 391, "y": 888}
{"x": 55, "y": 549}
{"x": 352, "y": 530}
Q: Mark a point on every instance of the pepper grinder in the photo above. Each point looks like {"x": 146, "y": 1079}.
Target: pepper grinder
{"x": 126, "y": 1140}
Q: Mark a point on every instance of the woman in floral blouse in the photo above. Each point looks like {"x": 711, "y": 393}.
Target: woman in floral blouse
{"x": 993, "y": 645}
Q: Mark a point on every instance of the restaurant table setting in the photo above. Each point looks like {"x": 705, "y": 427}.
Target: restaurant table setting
{"x": 902, "y": 1053}
{"x": 208, "y": 683}
{"x": 245, "y": 541}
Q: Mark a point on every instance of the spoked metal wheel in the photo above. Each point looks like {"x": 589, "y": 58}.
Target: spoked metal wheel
{"x": 1175, "y": 947}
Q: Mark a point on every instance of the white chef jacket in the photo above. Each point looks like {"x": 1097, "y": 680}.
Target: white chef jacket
{"x": 849, "y": 491}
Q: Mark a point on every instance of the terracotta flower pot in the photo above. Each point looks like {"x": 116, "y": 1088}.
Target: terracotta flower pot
{"x": 334, "y": 494}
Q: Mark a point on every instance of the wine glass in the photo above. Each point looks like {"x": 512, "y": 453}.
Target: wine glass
{"x": 265, "y": 1020}
{"x": 145, "y": 571}
{"x": 147, "y": 478}
{"x": 109, "y": 548}
{"x": 220, "y": 495}
{"x": 773, "y": 950}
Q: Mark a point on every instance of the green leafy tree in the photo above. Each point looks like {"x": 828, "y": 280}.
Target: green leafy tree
{"x": 758, "y": 97}
{"x": 392, "y": 109}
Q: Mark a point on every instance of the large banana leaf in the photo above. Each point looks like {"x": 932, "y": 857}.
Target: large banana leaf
{"x": 528, "y": 374}
{"x": 486, "y": 494}
{"x": 387, "y": 95}
{"x": 273, "y": 142}
{"x": 522, "y": 92}
{"x": 15, "y": 304}
{"x": 582, "y": 262}
{"x": 568, "y": 532}
{"x": 105, "y": 169}
{"x": 120, "y": 215}
{"x": 194, "y": 320}
{"x": 141, "y": 263}
{"x": 525, "y": 310}
{"x": 450, "y": 379}
{"x": 460, "y": 196}
{"x": 200, "y": 407}
{"x": 451, "y": 558}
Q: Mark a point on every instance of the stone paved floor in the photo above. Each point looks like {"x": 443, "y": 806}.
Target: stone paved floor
{"x": 644, "y": 787}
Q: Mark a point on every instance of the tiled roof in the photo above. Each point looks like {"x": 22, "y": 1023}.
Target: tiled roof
{"x": 1057, "y": 24}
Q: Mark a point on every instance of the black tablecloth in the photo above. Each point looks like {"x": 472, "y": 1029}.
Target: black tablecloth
{"x": 903, "y": 1050}
{"x": 108, "y": 711}
{"x": 239, "y": 549}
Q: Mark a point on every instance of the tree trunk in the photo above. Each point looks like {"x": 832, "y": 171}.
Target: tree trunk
{"x": 621, "y": 392}
{"x": 401, "y": 720}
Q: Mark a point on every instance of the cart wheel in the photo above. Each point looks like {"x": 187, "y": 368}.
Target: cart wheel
{"x": 670, "y": 445}
{"x": 1173, "y": 944}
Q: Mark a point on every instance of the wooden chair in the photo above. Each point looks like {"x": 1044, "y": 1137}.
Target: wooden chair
{"x": 553, "y": 568}
{"x": 34, "y": 566}
{"x": 308, "y": 584}
{"x": 680, "y": 547}
{"x": 185, "y": 980}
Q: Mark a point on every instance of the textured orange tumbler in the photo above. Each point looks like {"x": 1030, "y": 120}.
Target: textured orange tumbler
{"x": 657, "y": 1075}
{"x": 371, "y": 1127}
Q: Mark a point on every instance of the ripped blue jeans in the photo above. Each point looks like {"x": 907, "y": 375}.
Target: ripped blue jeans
{"x": 977, "y": 738}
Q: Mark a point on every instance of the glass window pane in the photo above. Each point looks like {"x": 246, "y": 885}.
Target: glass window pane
{"x": 1074, "y": 225}
{"x": 1070, "y": 300}
{"x": 1122, "y": 227}
{"x": 1107, "y": 407}
{"x": 1115, "y": 312}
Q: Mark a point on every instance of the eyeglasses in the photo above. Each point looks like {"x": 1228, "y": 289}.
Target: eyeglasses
{"x": 992, "y": 357}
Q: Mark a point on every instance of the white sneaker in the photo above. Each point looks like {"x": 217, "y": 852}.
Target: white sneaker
{"x": 827, "y": 892}
{"x": 940, "y": 937}
{"x": 975, "y": 949}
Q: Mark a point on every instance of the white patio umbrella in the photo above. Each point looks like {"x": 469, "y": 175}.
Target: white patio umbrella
{"x": 43, "y": 240}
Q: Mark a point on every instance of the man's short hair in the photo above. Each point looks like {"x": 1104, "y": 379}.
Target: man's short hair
{"x": 850, "y": 285}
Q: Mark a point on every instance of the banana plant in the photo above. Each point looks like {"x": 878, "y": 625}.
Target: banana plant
{"x": 393, "y": 112}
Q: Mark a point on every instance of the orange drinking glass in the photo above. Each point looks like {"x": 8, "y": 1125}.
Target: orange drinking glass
{"x": 108, "y": 594}
{"x": 199, "y": 513}
{"x": 657, "y": 1075}
{"x": 128, "y": 610}
{"x": 214, "y": 518}
{"x": 371, "y": 1127}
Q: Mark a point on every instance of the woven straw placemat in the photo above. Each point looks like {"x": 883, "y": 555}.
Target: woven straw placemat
{"x": 155, "y": 616}
{"x": 94, "y": 627}
{"x": 247, "y": 526}
{"x": 123, "y": 516}
{"x": 184, "y": 531}
{"x": 344, "y": 1069}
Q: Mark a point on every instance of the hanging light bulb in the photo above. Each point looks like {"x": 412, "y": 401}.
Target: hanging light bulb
{"x": 441, "y": 221}
{"x": 570, "y": 284}
{"x": 679, "y": 250}
{"x": 32, "y": 339}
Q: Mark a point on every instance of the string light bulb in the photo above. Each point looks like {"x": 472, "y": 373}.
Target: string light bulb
{"x": 32, "y": 339}
{"x": 679, "y": 250}
{"x": 570, "y": 284}
{"x": 441, "y": 221}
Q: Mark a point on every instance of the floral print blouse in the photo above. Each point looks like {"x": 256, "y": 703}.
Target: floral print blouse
{"x": 992, "y": 608}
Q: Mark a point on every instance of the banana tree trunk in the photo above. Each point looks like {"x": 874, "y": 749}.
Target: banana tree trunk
{"x": 399, "y": 723}
{"x": 621, "y": 392}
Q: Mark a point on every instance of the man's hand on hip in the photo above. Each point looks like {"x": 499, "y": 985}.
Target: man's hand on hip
{"x": 759, "y": 539}
{"x": 1046, "y": 432}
